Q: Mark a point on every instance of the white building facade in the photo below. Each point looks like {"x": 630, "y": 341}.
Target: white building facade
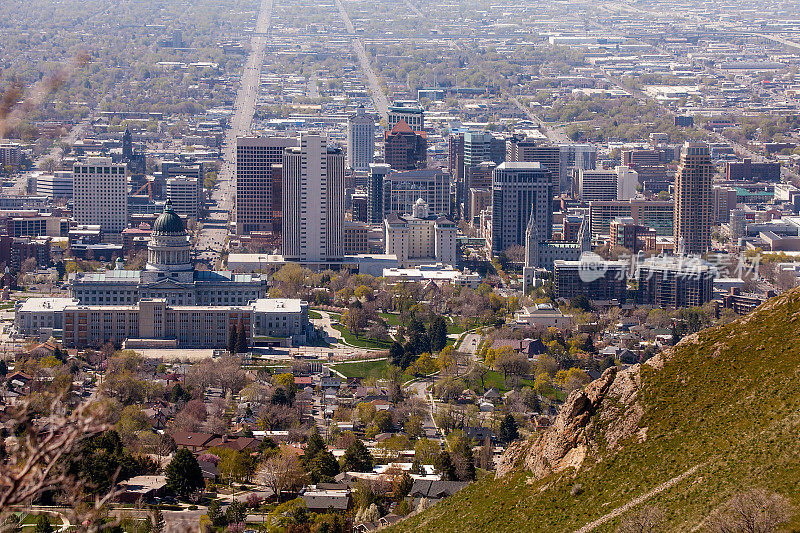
{"x": 420, "y": 239}
{"x": 100, "y": 194}
{"x": 313, "y": 201}
{"x": 360, "y": 140}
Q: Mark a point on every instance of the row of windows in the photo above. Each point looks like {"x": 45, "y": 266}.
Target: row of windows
{"x": 99, "y": 170}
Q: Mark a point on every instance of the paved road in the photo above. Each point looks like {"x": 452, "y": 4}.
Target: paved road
{"x": 381, "y": 102}
{"x": 326, "y": 324}
{"x": 555, "y": 136}
{"x": 313, "y": 89}
{"x": 214, "y": 231}
{"x": 429, "y": 428}
{"x": 470, "y": 343}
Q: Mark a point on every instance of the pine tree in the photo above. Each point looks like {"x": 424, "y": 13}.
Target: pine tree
{"x": 184, "y": 475}
{"x": 241, "y": 339}
{"x": 215, "y": 514}
{"x": 61, "y": 270}
{"x": 43, "y": 524}
{"x": 323, "y": 467}
{"x": 437, "y": 334}
{"x": 443, "y": 464}
{"x": 313, "y": 446}
{"x": 357, "y": 458}
{"x": 396, "y": 353}
{"x": 232, "y": 337}
{"x": 236, "y": 512}
{"x": 508, "y": 429}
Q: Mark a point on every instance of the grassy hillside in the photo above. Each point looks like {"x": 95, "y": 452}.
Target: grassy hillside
{"x": 729, "y": 402}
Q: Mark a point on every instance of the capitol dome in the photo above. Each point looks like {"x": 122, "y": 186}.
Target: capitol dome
{"x": 168, "y": 222}
{"x": 169, "y": 249}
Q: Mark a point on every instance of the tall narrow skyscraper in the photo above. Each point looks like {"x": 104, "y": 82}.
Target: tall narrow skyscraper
{"x": 360, "y": 140}
{"x": 377, "y": 173}
{"x": 693, "y": 209}
{"x": 520, "y": 190}
{"x": 313, "y": 201}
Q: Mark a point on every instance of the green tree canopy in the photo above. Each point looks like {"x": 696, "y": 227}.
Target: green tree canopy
{"x": 184, "y": 475}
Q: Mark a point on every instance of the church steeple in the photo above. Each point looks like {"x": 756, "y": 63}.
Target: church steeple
{"x": 532, "y": 241}
{"x": 584, "y": 235}
{"x": 127, "y": 145}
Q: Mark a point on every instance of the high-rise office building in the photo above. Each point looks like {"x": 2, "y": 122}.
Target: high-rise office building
{"x": 182, "y": 191}
{"x": 277, "y": 198}
{"x": 405, "y": 149}
{"x": 628, "y": 234}
{"x": 56, "y": 185}
{"x": 519, "y": 190}
{"x": 336, "y": 201}
{"x": 669, "y": 282}
{"x": 693, "y": 210}
{"x": 656, "y": 214}
{"x": 408, "y": 111}
{"x": 746, "y": 170}
{"x": 10, "y": 155}
{"x": 419, "y": 237}
{"x": 525, "y": 150}
{"x": 597, "y": 185}
{"x": 654, "y": 174}
{"x": 360, "y": 140}
{"x": 255, "y": 157}
{"x": 577, "y": 157}
{"x": 478, "y": 177}
{"x": 401, "y": 190}
{"x": 455, "y": 154}
{"x": 377, "y": 173}
{"x": 100, "y": 194}
{"x": 455, "y": 164}
{"x": 313, "y": 201}
{"x": 627, "y": 180}
{"x": 359, "y": 202}
{"x": 724, "y": 200}
{"x": 171, "y": 169}
{"x": 480, "y": 146}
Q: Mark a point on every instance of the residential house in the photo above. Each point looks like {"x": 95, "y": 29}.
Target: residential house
{"x": 141, "y": 488}
{"x": 319, "y": 501}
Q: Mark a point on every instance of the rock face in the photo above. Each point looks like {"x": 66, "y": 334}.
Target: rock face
{"x": 607, "y": 407}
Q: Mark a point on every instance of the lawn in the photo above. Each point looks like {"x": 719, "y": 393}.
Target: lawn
{"x": 30, "y": 520}
{"x": 361, "y": 342}
{"x": 494, "y": 378}
{"x": 392, "y": 319}
{"x": 314, "y": 315}
{"x": 453, "y": 327}
{"x": 366, "y": 369}
{"x": 362, "y": 369}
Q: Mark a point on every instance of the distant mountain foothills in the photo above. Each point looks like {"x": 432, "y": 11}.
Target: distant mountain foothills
{"x": 692, "y": 440}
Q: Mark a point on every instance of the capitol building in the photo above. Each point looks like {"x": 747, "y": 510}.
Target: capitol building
{"x": 169, "y": 275}
{"x": 169, "y": 304}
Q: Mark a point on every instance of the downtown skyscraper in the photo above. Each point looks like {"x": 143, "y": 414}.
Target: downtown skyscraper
{"x": 693, "y": 212}
{"x": 360, "y": 140}
{"x": 313, "y": 201}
